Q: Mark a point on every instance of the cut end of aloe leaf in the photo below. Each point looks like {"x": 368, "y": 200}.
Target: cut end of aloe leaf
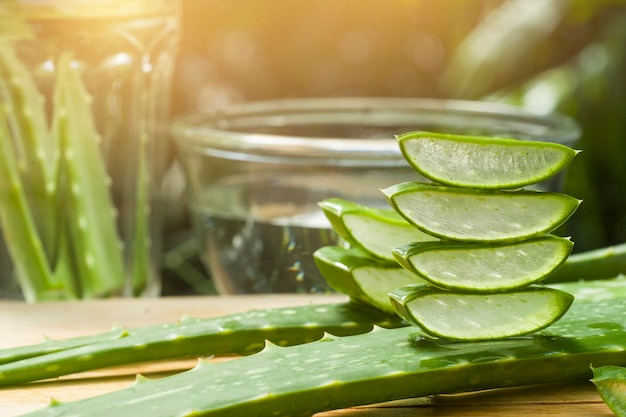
{"x": 374, "y": 231}
{"x": 483, "y": 162}
{"x": 473, "y": 215}
{"x": 461, "y": 316}
{"x": 353, "y": 273}
{"x": 484, "y": 268}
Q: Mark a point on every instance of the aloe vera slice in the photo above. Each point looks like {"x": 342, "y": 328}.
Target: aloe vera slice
{"x": 351, "y": 272}
{"x": 485, "y": 267}
{"x": 462, "y": 316}
{"x": 480, "y": 216}
{"x": 610, "y": 382}
{"x": 373, "y": 230}
{"x": 483, "y": 162}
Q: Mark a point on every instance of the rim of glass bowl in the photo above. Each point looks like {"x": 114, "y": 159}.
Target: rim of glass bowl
{"x": 215, "y": 132}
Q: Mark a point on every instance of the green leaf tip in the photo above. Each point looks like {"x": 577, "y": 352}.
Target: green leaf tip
{"x": 610, "y": 382}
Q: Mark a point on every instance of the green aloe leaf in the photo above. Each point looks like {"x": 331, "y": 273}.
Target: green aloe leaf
{"x": 611, "y": 384}
{"x": 37, "y": 279}
{"x": 485, "y": 267}
{"x": 601, "y": 263}
{"x": 385, "y": 364}
{"x": 239, "y": 333}
{"x": 483, "y": 162}
{"x": 90, "y": 213}
{"x": 34, "y": 150}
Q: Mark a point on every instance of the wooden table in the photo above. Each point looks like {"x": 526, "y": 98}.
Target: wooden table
{"x": 25, "y": 324}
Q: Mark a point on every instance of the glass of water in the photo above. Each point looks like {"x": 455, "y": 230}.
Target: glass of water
{"x": 256, "y": 172}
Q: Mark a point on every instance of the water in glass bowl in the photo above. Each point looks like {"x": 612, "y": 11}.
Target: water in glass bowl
{"x": 247, "y": 255}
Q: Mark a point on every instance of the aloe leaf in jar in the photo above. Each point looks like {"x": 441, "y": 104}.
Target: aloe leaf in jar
{"x": 84, "y": 92}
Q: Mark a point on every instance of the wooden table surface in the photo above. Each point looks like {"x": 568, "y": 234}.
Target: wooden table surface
{"x": 22, "y": 323}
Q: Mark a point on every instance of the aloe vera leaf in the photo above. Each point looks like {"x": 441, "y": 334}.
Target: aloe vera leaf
{"x": 242, "y": 333}
{"x": 352, "y": 272}
{"x": 37, "y": 280}
{"x": 610, "y": 382}
{"x": 472, "y": 215}
{"x": 383, "y": 365}
{"x": 34, "y": 150}
{"x": 488, "y": 57}
{"x": 50, "y": 345}
{"x": 595, "y": 264}
{"x": 135, "y": 225}
{"x": 373, "y": 230}
{"x": 598, "y": 290}
{"x": 456, "y": 315}
{"x": 90, "y": 213}
{"x": 485, "y": 267}
{"x": 141, "y": 240}
{"x": 483, "y": 162}
{"x": 34, "y": 173}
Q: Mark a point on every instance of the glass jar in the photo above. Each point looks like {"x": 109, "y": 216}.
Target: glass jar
{"x": 256, "y": 172}
{"x": 85, "y": 88}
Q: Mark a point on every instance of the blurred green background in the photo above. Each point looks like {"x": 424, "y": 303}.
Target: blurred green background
{"x": 545, "y": 55}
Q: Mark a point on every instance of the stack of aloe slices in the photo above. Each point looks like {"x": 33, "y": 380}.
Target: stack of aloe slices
{"x": 462, "y": 256}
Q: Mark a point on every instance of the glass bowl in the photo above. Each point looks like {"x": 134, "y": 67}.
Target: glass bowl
{"x": 255, "y": 173}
